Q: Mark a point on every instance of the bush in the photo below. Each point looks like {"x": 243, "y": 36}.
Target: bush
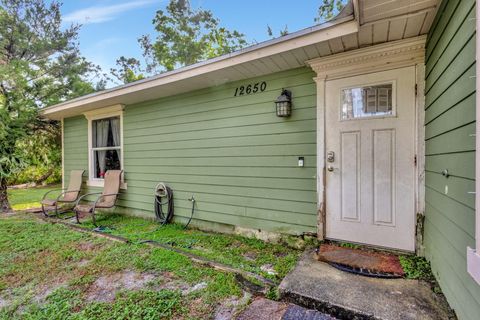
{"x": 35, "y": 174}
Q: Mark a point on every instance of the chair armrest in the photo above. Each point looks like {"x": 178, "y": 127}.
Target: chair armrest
{"x": 87, "y": 194}
{"x": 64, "y": 193}
{"x": 106, "y": 195}
{"x": 45, "y": 195}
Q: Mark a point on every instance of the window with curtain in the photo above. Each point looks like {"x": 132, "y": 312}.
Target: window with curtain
{"x": 106, "y": 147}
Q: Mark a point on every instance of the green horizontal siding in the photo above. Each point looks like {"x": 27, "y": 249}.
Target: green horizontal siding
{"x": 75, "y": 144}
{"x": 449, "y": 144}
{"x": 233, "y": 153}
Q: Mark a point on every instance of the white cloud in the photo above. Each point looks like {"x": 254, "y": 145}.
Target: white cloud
{"x": 99, "y": 14}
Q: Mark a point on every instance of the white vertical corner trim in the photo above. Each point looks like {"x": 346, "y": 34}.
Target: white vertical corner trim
{"x": 321, "y": 83}
{"x": 108, "y": 112}
{"x": 473, "y": 255}
{"x": 62, "y": 122}
{"x": 420, "y": 137}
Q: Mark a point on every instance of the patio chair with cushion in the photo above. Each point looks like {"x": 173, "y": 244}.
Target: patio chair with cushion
{"x": 69, "y": 195}
{"x": 106, "y": 199}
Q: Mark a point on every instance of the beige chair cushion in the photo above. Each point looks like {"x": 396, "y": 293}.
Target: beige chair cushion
{"x": 74, "y": 184}
{"x": 111, "y": 185}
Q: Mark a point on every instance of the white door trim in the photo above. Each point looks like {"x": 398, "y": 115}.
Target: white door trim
{"x": 420, "y": 150}
{"x": 387, "y": 56}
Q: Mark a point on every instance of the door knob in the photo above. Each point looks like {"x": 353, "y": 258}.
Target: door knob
{"x": 330, "y": 168}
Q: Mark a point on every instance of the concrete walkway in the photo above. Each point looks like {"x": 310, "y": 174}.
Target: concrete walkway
{"x": 319, "y": 286}
{"x": 264, "y": 309}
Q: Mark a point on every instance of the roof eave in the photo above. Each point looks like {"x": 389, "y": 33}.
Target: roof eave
{"x": 323, "y": 32}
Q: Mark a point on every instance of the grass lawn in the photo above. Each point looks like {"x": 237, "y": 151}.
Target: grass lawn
{"x": 51, "y": 272}
{"x": 272, "y": 261}
{"x": 21, "y": 199}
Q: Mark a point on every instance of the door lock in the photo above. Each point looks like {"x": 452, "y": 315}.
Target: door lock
{"x": 330, "y": 168}
{"x": 330, "y": 156}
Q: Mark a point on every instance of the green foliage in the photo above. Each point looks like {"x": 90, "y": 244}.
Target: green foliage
{"x": 416, "y": 268}
{"x": 42, "y": 173}
{"x": 184, "y": 36}
{"x": 40, "y": 65}
{"x": 187, "y": 35}
{"x": 329, "y": 9}
{"x": 42, "y": 153}
{"x": 128, "y": 70}
{"x": 273, "y": 294}
{"x": 281, "y": 33}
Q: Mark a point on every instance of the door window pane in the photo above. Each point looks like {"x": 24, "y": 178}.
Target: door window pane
{"x": 368, "y": 101}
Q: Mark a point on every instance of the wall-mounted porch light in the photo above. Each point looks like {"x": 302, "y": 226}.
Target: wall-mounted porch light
{"x": 284, "y": 104}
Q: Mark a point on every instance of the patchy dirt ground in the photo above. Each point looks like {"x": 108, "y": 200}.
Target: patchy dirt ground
{"x": 50, "y": 271}
{"x": 105, "y": 288}
{"x": 229, "y": 308}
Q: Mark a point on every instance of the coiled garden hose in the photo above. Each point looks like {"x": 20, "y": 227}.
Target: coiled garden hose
{"x": 163, "y": 196}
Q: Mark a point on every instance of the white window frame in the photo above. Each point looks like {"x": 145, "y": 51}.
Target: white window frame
{"x": 473, "y": 255}
{"x": 109, "y": 112}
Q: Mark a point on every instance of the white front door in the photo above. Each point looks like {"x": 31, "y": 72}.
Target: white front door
{"x": 370, "y": 159}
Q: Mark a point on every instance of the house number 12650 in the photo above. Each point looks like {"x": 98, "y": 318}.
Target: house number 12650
{"x": 250, "y": 89}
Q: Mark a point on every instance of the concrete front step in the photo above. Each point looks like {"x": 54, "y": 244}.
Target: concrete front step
{"x": 317, "y": 285}
{"x": 264, "y": 309}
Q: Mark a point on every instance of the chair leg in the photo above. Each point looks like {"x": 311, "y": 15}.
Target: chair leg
{"x": 93, "y": 217}
{"x": 44, "y": 212}
{"x": 76, "y": 215}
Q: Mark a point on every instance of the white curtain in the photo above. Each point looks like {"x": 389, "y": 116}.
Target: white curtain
{"x": 115, "y": 125}
{"x": 102, "y": 141}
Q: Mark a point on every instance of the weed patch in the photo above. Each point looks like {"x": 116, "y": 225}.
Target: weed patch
{"x": 416, "y": 268}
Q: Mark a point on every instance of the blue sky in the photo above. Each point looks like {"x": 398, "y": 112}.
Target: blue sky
{"x": 111, "y": 27}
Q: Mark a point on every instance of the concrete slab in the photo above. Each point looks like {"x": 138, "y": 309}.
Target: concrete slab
{"x": 295, "y": 312}
{"x": 264, "y": 309}
{"x": 319, "y": 286}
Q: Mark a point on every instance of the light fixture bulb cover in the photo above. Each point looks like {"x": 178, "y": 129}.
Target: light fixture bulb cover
{"x": 284, "y": 104}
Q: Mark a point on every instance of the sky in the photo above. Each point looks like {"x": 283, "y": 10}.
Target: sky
{"x": 110, "y": 28}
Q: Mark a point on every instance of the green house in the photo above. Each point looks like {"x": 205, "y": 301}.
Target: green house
{"x": 374, "y": 142}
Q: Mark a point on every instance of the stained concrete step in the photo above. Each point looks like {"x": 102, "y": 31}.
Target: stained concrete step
{"x": 317, "y": 285}
{"x": 264, "y": 309}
